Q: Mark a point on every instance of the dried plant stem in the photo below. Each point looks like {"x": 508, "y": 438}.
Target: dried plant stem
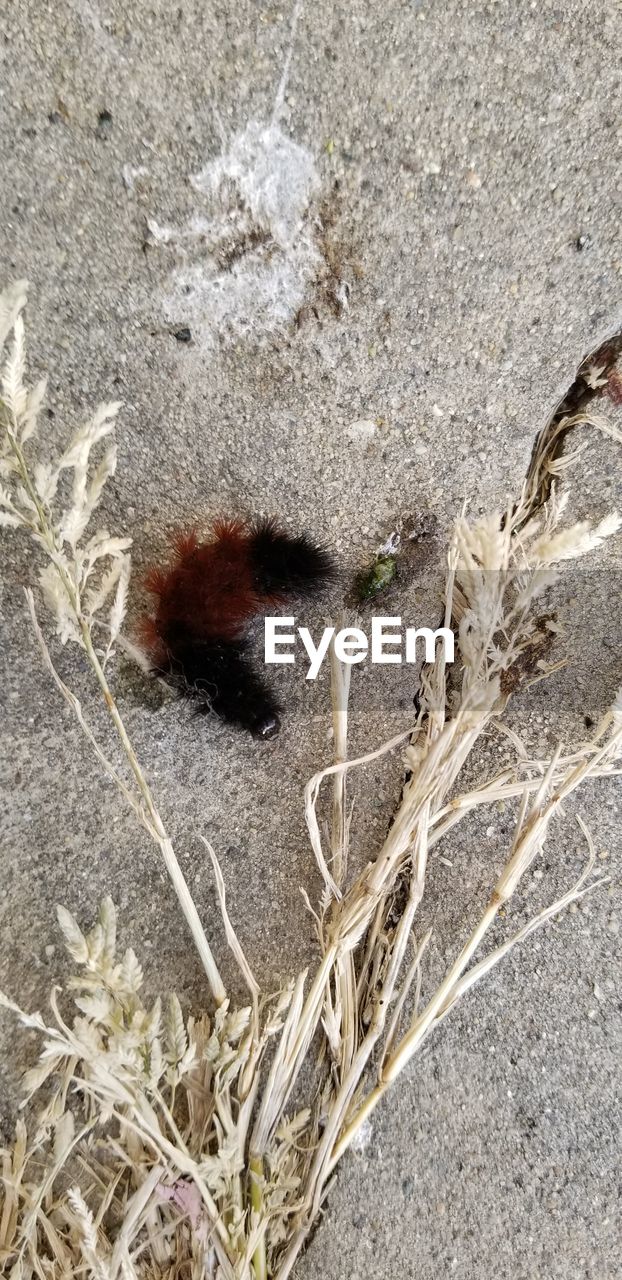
{"x": 340, "y": 692}
{"x": 529, "y": 840}
{"x": 341, "y": 1010}
{"x": 160, "y": 836}
{"x": 256, "y": 1170}
{"x": 154, "y": 823}
{"x": 478, "y": 971}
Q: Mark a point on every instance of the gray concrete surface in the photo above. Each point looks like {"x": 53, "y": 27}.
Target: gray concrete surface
{"x": 476, "y": 223}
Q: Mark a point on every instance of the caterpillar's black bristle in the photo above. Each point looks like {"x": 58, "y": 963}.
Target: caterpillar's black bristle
{"x": 221, "y": 679}
{"x": 283, "y": 564}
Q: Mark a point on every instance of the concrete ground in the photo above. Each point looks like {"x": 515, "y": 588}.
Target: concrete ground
{"x": 446, "y": 224}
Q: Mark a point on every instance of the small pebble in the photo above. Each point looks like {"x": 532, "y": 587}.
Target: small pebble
{"x": 183, "y": 335}
{"x": 361, "y": 430}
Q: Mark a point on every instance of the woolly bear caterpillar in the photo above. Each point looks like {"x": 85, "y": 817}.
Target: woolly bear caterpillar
{"x": 197, "y": 638}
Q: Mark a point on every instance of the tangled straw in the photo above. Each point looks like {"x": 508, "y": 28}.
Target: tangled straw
{"x": 168, "y": 1143}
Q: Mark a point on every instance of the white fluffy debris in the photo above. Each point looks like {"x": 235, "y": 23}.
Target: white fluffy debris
{"x": 245, "y": 257}
{"x": 362, "y": 1138}
{"x": 269, "y": 175}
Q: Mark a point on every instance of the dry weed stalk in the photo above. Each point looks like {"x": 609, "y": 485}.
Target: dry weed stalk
{"x": 169, "y": 1143}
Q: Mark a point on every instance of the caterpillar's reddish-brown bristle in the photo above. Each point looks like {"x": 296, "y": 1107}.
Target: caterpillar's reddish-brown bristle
{"x": 155, "y": 581}
{"x": 229, "y": 531}
{"x": 149, "y": 639}
{"x": 208, "y": 590}
{"x": 185, "y": 542}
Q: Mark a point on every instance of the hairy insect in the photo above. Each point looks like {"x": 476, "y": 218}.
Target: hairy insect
{"x": 206, "y": 599}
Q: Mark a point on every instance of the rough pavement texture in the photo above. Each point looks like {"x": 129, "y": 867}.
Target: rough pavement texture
{"x": 469, "y": 195}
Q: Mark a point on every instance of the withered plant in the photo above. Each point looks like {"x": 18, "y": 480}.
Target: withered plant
{"x": 170, "y": 1143}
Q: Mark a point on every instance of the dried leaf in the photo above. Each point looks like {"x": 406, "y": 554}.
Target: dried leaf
{"x": 36, "y": 1076}
{"x": 131, "y": 971}
{"x": 75, "y": 940}
{"x": 34, "y": 400}
{"x": 117, "y": 613}
{"x": 97, "y": 1007}
{"x": 63, "y": 1135}
{"x": 176, "y": 1037}
{"x": 13, "y": 390}
{"x": 12, "y": 301}
{"x": 108, "y": 922}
